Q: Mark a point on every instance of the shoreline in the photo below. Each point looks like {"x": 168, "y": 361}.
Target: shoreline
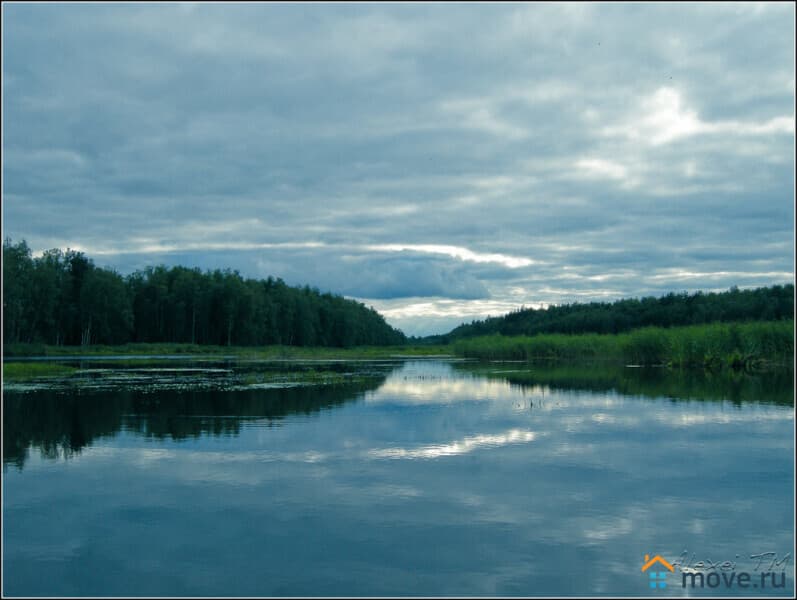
{"x": 752, "y": 346}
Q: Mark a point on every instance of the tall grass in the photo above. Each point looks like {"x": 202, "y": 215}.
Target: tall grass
{"x": 17, "y": 371}
{"x": 714, "y": 345}
{"x": 263, "y": 352}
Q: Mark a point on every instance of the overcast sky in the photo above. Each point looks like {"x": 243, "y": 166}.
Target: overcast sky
{"x": 437, "y": 162}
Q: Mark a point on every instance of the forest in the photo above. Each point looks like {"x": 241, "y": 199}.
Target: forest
{"x": 775, "y": 303}
{"x": 63, "y": 298}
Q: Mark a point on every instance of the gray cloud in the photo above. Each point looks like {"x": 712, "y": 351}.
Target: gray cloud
{"x": 616, "y": 163}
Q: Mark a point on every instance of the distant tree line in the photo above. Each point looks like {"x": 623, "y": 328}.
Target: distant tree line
{"x": 761, "y": 304}
{"x": 62, "y": 298}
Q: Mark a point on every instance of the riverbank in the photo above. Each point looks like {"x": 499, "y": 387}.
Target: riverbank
{"x": 754, "y": 345}
{"x": 12, "y": 351}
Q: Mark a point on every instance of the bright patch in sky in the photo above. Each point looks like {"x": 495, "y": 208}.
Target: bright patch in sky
{"x": 440, "y": 162}
{"x": 665, "y": 119}
{"x": 512, "y": 262}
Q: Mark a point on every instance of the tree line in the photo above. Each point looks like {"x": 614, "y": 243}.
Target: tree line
{"x": 63, "y": 298}
{"x": 762, "y": 304}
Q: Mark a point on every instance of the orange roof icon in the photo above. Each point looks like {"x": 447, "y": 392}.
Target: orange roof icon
{"x": 649, "y": 562}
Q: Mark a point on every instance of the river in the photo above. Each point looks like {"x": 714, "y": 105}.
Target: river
{"x": 395, "y": 477}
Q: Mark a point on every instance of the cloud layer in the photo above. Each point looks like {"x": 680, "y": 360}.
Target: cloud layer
{"x": 438, "y": 162}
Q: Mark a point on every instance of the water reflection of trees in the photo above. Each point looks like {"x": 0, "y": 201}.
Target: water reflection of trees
{"x": 688, "y": 384}
{"x": 61, "y": 424}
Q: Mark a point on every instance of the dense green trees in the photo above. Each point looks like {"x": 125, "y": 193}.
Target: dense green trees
{"x": 63, "y": 298}
{"x": 762, "y": 304}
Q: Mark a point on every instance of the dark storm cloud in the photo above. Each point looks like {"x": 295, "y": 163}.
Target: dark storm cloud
{"x": 444, "y": 161}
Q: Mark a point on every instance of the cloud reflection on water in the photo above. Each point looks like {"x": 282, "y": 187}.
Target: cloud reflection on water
{"x": 363, "y": 492}
{"x": 463, "y": 446}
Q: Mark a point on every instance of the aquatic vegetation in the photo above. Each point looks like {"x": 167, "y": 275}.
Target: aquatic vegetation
{"x": 116, "y": 373}
{"x": 305, "y": 377}
{"x": 27, "y": 370}
{"x": 716, "y": 345}
{"x": 247, "y": 352}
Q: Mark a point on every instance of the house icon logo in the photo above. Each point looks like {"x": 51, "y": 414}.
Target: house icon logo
{"x": 656, "y": 573}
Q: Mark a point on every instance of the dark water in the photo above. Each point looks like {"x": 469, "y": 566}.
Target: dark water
{"x": 394, "y": 478}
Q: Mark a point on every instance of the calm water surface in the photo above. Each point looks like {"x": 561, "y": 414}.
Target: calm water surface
{"x": 391, "y": 478}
